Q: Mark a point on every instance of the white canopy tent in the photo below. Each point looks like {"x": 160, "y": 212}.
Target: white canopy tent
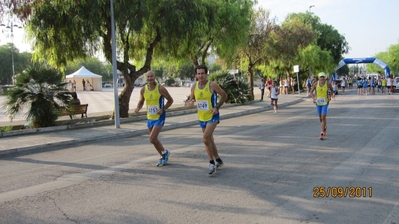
{"x": 84, "y": 74}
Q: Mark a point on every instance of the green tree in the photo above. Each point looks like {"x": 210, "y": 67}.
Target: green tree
{"x": 223, "y": 31}
{"x": 170, "y": 81}
{"x": 259, "y": 44}
{"x": 393, "y": 58}
{"x": 140, "y": 27}
{"x": 327, "y": 37}
{"x": 314, "y": 57}
{"x": 185, "y": 71}
{"x": 390, "y": 57}
{"x": 373, "y": 68}
{"x": 343, "y": 71}
{"x": 289, "y": 38}
{"x": 40, "y": 89}
{"x": 21, "y": 61}
{"x": 159, "y": 73}
{"x": 215, "y": 67}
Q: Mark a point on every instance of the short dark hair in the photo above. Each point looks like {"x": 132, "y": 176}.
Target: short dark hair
{"x": 74, "y": 95}
{"x": 201, "y": 67}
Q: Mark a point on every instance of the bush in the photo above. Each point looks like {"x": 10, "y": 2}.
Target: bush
{"x": 40, "y": 88}
{"x": 170, "y": 82}
{"x": 237, "y": 89}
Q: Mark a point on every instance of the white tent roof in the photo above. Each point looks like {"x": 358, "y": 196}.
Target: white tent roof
{"x": 83, "y": 73}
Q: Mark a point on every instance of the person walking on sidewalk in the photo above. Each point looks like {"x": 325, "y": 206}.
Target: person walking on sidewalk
{"x": 205, "y": 94}
{"x": 274, "y": 92}
{"x": 154, "y": 95}
{"x": 268, "y": 85}
{"x": 262, "y": 88}
{"x": 308, "y": 85}
{"x": 322, "y": 99}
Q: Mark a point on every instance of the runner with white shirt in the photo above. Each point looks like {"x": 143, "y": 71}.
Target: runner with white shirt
{"x": 274, "y": 92}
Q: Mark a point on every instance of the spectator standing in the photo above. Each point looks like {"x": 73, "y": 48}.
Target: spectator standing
{"x": 69, "y": 86}
{"x": 373, "y": 85}
{"x": 293, "y": 83}
{"x": 335, "y": 90}
{"x": 268, "y": 85}
{"x": 389, "y": 85}
{"x": 286, "y": 86}
{"x": 365, "y": 86}
{"x": 74, "y": 85}
{"x": 343, "y": 85}
{"x": 359, "y": 86}
{"x": 281, "y": 86}
{"x": 308, "y": 86}
{"x": 89, "y": 86}
{"x": 383, "y": 85}
{"x": 84, "y": 84}
{"x": 262, "y": 88}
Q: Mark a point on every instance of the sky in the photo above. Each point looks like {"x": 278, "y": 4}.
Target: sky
{"x": 369, "y": 26}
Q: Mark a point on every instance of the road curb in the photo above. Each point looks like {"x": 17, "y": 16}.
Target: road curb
{"x": 125, "y": 133}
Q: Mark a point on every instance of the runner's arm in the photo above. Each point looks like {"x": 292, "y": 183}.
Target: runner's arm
{"x": 168, "y": 97}
{"x": 141, "y": 101}
{"x": 191, "y": 99}
{"x": 223, "y": 95}
{"x": 312, "y": 90}
{"x": 331, "y": 90}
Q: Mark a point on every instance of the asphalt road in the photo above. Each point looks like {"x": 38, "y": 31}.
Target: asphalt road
{"x": 275, "y": 166}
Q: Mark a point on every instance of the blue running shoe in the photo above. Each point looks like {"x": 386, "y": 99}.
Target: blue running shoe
{"x": 165, "y": 157}
{"x": 160, "y": 162}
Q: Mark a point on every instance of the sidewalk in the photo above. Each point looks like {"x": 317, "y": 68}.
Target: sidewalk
{"x": 63, "y": 136}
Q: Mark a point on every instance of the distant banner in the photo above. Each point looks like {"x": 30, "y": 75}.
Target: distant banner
{"x": 376, "y": 61}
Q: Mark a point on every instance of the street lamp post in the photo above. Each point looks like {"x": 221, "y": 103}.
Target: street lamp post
{"x": 11, "y": 27}
{"x": 116, "y": 99}
{"x": 12, "y": 54}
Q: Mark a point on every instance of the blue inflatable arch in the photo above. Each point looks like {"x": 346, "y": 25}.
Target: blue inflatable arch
{"x": 365, "y": 61}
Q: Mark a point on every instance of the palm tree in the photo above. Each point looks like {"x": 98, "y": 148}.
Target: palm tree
{"x": 237, "y": 88}
{"x": 40, "y": 88}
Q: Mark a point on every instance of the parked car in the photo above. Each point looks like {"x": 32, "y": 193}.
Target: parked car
{"x": 107, "y": 85}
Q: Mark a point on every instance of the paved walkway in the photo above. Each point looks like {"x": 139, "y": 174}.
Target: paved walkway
{"x": 100, "y": 103}
{"x": 39, "y": 139}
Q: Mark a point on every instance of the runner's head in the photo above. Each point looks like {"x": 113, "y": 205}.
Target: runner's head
{"x": 201, "y": 72}
{"x": 322, "y": 75}
{"x": 150, "y": 77}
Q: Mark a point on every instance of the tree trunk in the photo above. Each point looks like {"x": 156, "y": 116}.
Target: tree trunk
{"x": 124, "y": 96}
{"x": 251, "y": 81}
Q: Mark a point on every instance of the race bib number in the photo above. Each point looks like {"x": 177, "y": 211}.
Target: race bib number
{"x": 202, "y": 105}
{"x": 153, "y": 109}
{"x": 321, "y": 101}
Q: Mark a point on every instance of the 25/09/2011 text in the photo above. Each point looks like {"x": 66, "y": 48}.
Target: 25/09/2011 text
{"x": 342, "y": 192}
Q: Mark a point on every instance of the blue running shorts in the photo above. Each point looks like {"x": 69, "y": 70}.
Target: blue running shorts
{"x": 159, "y": 122}
{"x": 215, "y": 118}
{"x": 322, "y": 109}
